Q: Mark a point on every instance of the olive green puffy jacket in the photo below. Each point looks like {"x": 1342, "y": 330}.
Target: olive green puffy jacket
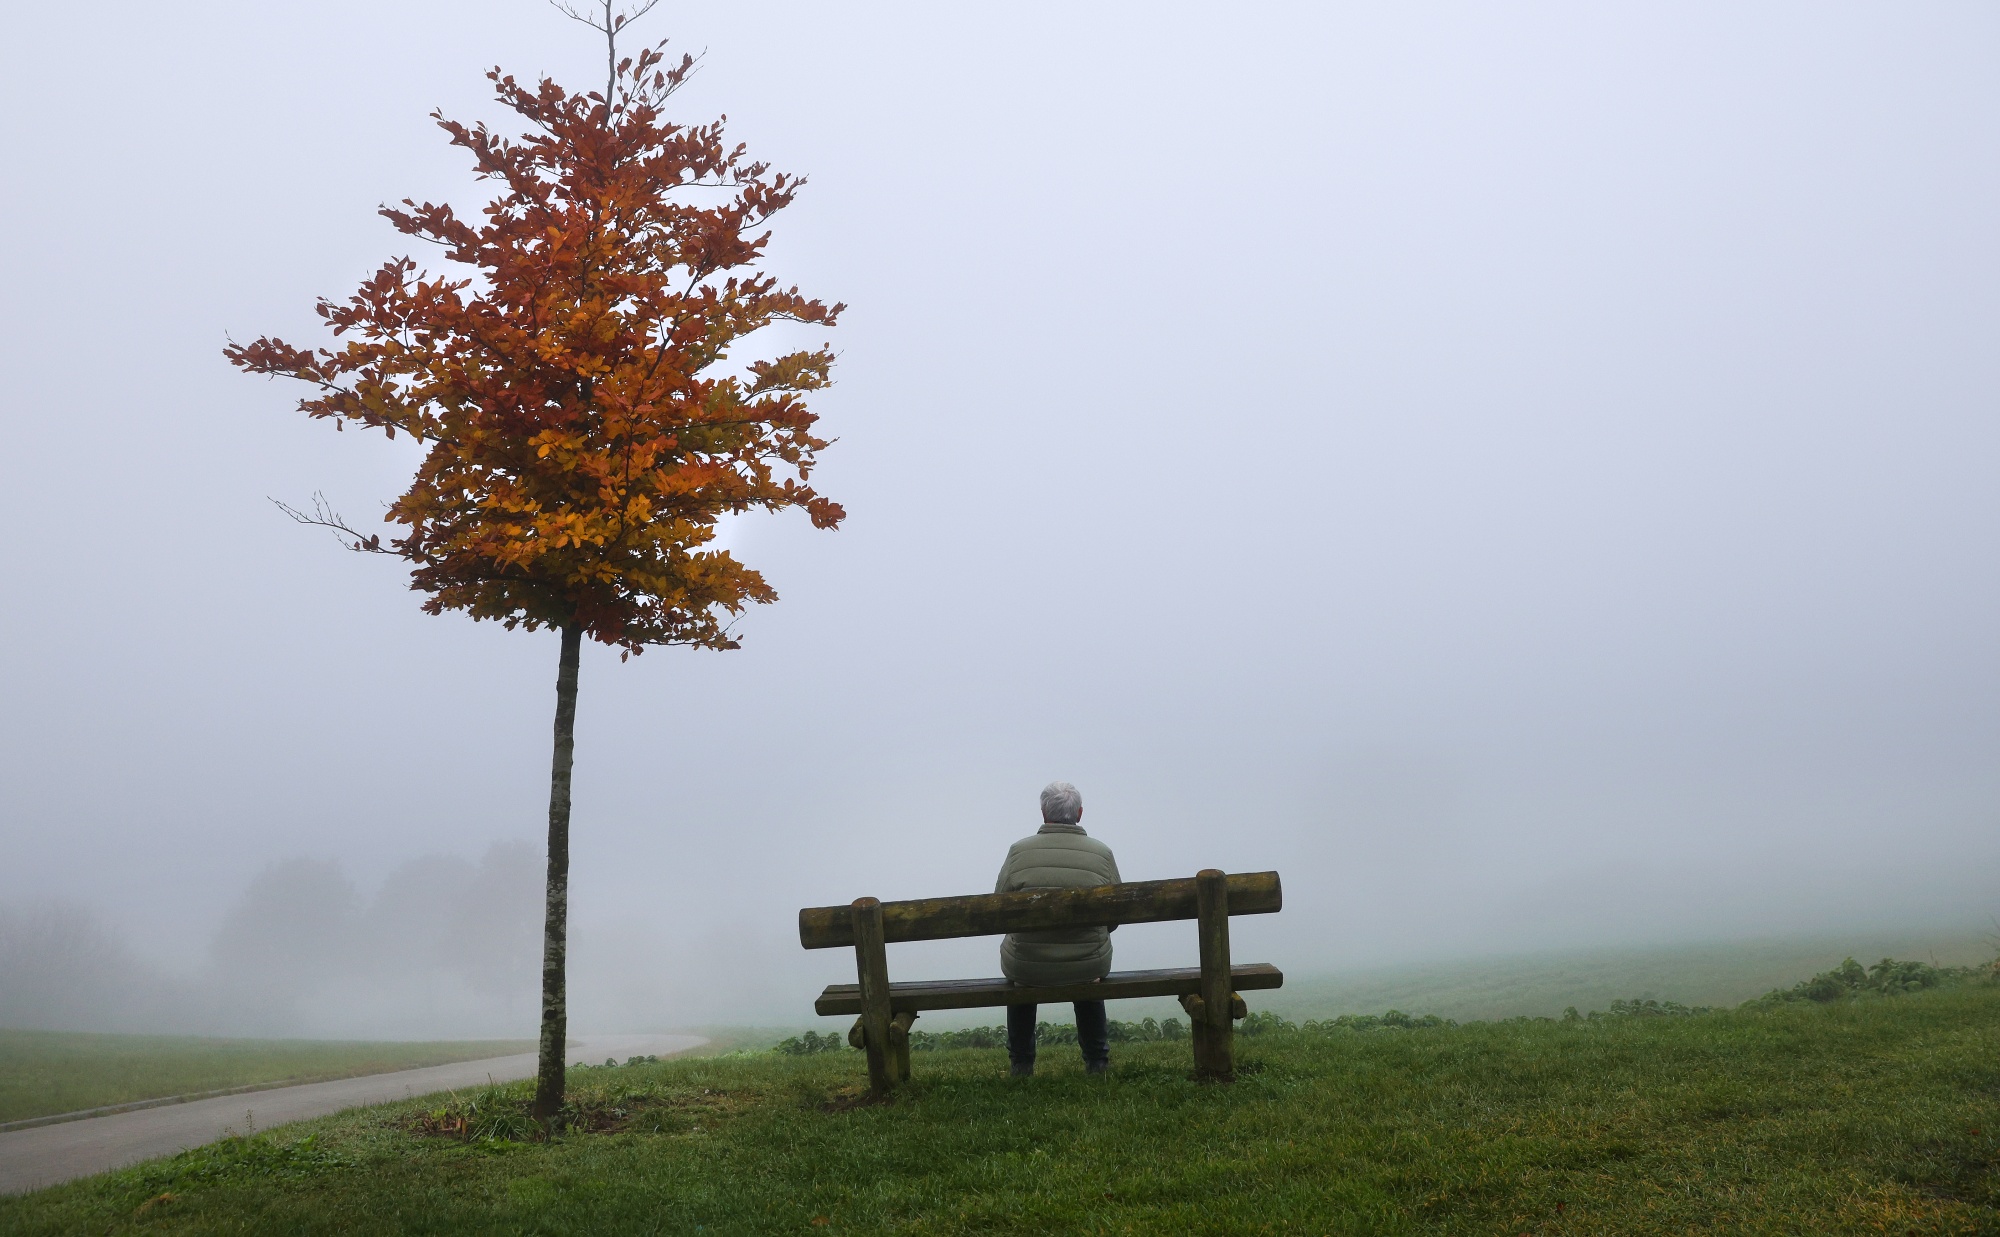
{"x": 1057, "y": 857}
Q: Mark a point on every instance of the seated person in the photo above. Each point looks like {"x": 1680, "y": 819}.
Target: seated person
{"x": 1057, "y": 856}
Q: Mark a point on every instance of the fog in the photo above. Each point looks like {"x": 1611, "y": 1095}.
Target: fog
{"x": 1527, "y": 474}
{"x": 437, "y": 949}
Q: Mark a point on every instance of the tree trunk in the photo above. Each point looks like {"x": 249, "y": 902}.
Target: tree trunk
{"x": 555, "y": 925}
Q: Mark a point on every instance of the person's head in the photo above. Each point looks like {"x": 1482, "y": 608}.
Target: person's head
{"x": 1061, "y": 805}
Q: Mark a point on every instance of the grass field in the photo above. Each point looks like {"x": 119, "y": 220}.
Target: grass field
{"x": 1543, "y": 984}
{"x": 45, "y": 1072}
{"x": 1867, "y": 1116}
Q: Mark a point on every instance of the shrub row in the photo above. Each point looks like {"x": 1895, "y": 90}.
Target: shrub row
{"x": 1846, "y": 981}
{"x": 1146, "y": 1030}
{"x": 1886, "y": 978}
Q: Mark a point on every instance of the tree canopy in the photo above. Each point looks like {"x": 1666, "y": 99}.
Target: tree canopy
{"x": 584, "y": 423}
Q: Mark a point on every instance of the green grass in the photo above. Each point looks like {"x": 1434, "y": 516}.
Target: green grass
{"x": 1867, "y": 1116}
{"x": 1542, "y": 984}
{"x": 46, "y": 1072}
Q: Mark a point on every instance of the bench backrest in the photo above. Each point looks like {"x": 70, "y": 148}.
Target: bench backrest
{"x": 1035, "y": 910}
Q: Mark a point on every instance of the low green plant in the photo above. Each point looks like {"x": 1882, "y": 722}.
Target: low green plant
{"x": 492, "y": 1114}
{"x": 238, "y": 1157}
{"x": 1144, "y": 1031}
{"x": 965, "y": 1037}
{"x": 809, "y": 1043}
{"x": 1651, "y": 1009}
{"x": 634, "y": 1098}
{"x": 1888, "y": 977}
{"x": 1263, "y": 1022}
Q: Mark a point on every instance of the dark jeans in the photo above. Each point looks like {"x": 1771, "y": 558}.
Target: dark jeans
{"x": 1093, "y": 1033}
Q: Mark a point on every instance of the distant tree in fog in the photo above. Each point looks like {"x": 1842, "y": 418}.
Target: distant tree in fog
{"x": 444, "y": 915}
{"x": 440, "y": 948}
{"x": 292, "y": 928}
{"x": 60, "y": 970}
{"x": 585, "y": 425}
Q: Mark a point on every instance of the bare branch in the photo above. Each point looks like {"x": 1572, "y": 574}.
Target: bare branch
{"x": 569, "y": 10}
{"x": 324, "y": 516}
{"x": 609, "y": 26}
{"x": 643, "y": 9}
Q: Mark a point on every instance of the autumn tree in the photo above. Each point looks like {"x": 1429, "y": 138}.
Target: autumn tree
{"x": 573, "y": 384}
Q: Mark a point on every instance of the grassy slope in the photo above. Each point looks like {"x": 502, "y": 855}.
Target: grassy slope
{"x": 1541, "y": 985}
{"x": 1878, "y": 1115}
{"x": 43, "y": 1072}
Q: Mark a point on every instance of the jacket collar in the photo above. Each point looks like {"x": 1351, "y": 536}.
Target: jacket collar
{"x": 1050, "y": 826}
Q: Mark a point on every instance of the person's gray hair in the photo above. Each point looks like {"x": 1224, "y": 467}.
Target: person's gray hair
{"x": 1061, "y": 804}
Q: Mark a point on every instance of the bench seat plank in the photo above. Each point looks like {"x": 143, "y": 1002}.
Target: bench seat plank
{"x": 978, "y": 993}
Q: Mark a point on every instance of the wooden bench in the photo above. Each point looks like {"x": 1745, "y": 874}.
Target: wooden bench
{"x": 1208, "y": 992}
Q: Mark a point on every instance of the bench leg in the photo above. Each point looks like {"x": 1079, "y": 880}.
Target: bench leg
{"x": 871, "y": 966}
{"x": 1198, "y": 1022}
{"x": 1214, "y": 1053}
{"x": 1197, "y": 1027}
{"x": 899, "y": 1043}
{"x": 899, "y": 1046}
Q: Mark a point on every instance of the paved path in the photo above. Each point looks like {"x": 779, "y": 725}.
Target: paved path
{"x": 49, "y": 1154}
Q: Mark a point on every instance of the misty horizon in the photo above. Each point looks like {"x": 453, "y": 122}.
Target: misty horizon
{"x": 1525, "y": 476}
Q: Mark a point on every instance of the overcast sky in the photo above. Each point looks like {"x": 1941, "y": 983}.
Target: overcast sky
{"x": 1525, "y": 472}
